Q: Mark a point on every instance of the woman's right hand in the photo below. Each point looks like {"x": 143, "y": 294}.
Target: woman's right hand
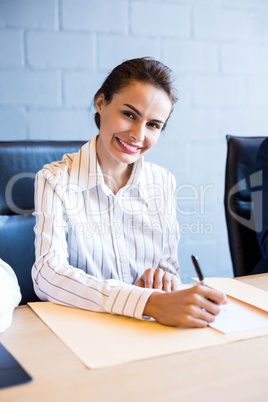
{"x": 158, "y": 279}
{"x": 185, "y": 308}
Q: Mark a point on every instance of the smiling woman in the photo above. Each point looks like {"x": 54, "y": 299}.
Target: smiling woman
{"x": 130, "y": 126}
{"x": 106, "y": 228}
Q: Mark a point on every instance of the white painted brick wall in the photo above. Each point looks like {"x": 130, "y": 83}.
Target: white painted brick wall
{"x": 189, "y": 55}
{"x": 113, "y": 49}
{"x": 258, "y": 92}
{"x": 160, "y": 18}
{"x": 28, "y": 14}
{"x": 250, "y": 58}
{"x": 12, "y": 123}
{"x": 11, "y": 45}
{"x": 80, "y": 86}
{"x": 218, "y": 90}
{"x": 29, "y": 87}
{"x": 54, "y": 55}
{"x": 95, "y": 16}
{"x": 58, "y": 49}
{"x": 61, "y": 124}
{"x": 218, "y": 23}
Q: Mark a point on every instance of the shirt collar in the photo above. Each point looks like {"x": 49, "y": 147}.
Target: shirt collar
{"x": 86, "y": 172}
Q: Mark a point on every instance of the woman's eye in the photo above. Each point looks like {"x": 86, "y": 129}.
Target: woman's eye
{"x": 129, "y": 114}
{"x": 154, "y": 125}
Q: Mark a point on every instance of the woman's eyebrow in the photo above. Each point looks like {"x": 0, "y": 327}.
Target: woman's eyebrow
{"x": 140, "y": 114}
{"x": 133, "y": 108}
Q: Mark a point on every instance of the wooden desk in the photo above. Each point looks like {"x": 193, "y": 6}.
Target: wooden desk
{"x": 233, "y": 372}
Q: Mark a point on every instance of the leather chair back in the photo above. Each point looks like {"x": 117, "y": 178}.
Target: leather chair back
{"x": 240, "y": 190}
{"x": 19, "y": 162}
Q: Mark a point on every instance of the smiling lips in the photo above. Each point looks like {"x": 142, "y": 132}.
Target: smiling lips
{"x": 127, "y": 147}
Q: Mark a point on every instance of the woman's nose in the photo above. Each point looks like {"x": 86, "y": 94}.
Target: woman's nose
{"x": 137, "y": 134}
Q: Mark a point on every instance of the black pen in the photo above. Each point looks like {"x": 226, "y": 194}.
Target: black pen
{"x": 198, "y": 271}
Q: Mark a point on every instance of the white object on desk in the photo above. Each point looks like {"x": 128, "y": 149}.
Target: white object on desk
{"x": 10, "y": 295}
{"x": 241, "y": 291}
{"x": 235, "y": 316}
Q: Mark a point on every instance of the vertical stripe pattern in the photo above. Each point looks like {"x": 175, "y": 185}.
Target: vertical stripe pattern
{"x": 91, "y": 245}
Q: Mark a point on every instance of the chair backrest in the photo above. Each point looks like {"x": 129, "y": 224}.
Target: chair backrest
{"x": 240, "y": 180}
{"x": 19, "y": 162}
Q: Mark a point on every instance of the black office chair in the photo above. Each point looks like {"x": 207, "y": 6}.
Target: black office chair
{"x": 240, "y": 197}
{"x": 19, "y": 162}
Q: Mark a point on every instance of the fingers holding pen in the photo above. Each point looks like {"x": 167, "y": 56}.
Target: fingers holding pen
{"x": 189, "y": 307}
{"x": 201, "y": 305}
{"x": 212, "y": 295}
{"x": 208, "y": 301}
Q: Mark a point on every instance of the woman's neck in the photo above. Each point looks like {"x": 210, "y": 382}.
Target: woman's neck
{"x": 116, "y": 174}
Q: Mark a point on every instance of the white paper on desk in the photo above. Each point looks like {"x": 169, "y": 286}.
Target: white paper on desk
{"x": 237, "y": 317}
{"x": 241, "y": 291}
{"x": 240, "y": 314}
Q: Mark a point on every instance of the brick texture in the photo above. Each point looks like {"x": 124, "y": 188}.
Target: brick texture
{"x": 11, "y": 49}
{"x": 57, "y": 49}
{"x": 95, "y": 16}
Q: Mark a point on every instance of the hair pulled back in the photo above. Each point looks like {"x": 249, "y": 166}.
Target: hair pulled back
{"x": 144, "y": 69}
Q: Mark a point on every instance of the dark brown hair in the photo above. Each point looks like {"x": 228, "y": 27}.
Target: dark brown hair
{"x": 144, "y": 69}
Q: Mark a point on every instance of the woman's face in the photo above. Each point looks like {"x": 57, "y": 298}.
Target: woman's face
{"x": 131, "y": 123}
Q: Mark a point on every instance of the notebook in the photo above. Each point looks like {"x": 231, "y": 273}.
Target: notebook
{"x": 11, "y": 372}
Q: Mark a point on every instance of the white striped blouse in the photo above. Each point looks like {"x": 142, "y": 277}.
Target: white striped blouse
{"x": 91, "y": 245}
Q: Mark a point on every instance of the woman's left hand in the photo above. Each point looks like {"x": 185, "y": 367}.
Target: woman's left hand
{"x": 158, "y": 279}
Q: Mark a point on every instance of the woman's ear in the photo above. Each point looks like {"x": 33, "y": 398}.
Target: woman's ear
{"x": 99, "y": 102}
